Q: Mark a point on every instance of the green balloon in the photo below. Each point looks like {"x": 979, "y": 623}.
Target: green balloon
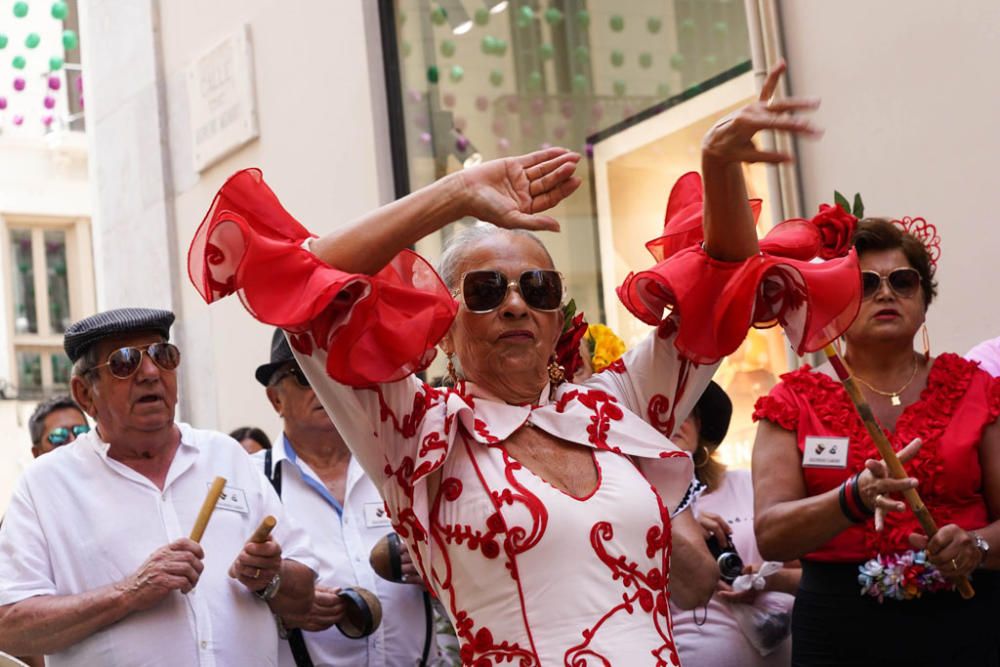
{"x": 481, "y": 17}
{"x": 59, "y": 10}
{"x": 70, "y": 40}
{"x": 553, "y": 16}
{"x": 546, "y": 51}
{"x": 438, "y": 16}
{"x": 447, "y": 48}
{"x": 488, "y": 45}
{"x": 617, "y": 22}
{"x": 496, "y": 77}
{"x": 433, "y": 74}
{"x": 619, "y": 86}
{"x": 581, "y": 53}
{"x": 583, "y": 18}
{"x": 19, "y": 62}
{"x": 677, "y": 60}
{"x": 20, "y": 9}
{"x": 653, "y": 24}
{"x": 501, "y": 47}
{"x": 55, "y": 63}
{"x": 617, "y": 58}
{"x": 579, "y": 83}
{"x": 535, "y": 80}
{"x": 525, "y": 16}
{"x": 32, "y": 40}
{"x": 645, "y": 59}
{"x": 456, "y": 73}
{"x": 3, "y": 41}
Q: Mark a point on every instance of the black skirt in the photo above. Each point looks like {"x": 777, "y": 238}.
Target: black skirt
{"x": 834, "y": 625}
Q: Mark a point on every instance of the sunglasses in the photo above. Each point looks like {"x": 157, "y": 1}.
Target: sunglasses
{"x": 62, "y": 435}
{"x": 125, "y": 361}
{"x": 903, "y": 282}
{"x": 296, "y": 373}
{"x": 483, "y": 291}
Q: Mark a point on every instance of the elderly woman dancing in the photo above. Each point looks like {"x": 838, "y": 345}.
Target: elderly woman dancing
{"x": 517, "y": 494}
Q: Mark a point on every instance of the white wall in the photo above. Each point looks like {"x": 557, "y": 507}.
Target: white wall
{"x": 910, "y": 102}
{"x": 323, "y": 148}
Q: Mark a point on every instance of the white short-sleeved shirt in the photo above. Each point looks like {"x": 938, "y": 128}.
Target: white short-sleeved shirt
{"x": 343, "y": 536}
{"x": 80, "y": 520}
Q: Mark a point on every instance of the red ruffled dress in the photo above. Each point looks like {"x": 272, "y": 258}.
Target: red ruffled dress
{"x": 529, "y": 575}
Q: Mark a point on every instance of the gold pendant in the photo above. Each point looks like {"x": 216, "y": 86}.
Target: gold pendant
{"x": 894, "y": 399}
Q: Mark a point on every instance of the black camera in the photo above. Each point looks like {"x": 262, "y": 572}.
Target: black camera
{"x": 730, "y": 563}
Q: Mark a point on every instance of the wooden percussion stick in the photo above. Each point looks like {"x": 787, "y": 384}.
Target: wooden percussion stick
{"x": 264, "y": 529}
{"x": 892, "y": 462}
{"x": 207, "y": 507}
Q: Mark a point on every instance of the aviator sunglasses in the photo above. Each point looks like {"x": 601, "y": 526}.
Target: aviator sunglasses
{"x": 483, "y": 291}
{"x": 61, "y": 435}
{"x": 125, "y": 361}
{"x": 903, "y": 282}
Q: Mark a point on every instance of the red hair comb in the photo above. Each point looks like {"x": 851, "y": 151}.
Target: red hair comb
{"x": 924, "y": 232}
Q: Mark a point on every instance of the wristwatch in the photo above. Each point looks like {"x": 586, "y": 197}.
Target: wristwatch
{"x": 268, "y": 592}
{"x": 982, "y": 545}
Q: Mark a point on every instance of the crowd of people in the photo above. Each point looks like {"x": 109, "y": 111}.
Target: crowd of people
{"x": 518, "y": 512}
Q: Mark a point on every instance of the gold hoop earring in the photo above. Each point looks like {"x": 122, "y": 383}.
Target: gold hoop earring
{"x": 927, "y": 342}
{"x": 452, "y": 374}
{"x": 704, "y": 461}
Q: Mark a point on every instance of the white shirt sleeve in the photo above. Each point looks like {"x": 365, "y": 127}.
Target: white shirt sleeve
{"x": 25, "y": 564}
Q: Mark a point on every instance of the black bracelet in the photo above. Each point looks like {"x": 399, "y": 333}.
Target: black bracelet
{"x": 856, "y": 493}
{"x": 844, "y": 507}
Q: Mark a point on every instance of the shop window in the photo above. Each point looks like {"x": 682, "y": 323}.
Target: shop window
{"x": 49, "y": 269}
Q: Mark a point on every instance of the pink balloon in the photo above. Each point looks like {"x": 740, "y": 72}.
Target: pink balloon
{"x": 566, "y": 109}
{"x": 482, "y": 103}
{"x": 460, "y": 123}
{"x": 46, "y": 121}
{"x": 55, "y": 83}
{"x": 79, "y": 84}
{"x": 18, "y": 119}
{"x": 449, "y": 100}
{"x": 499, "y": 127}
{"x": 461, "y": 143}
{"x": 81, "y": 101}
{"x": 3, "y": 103}
{"x": 538, "y": 106}
{"x": 425, "y": 137}
{"x": 414, "y": 95}
{"x": 597, "y": 111}
{"x": 559, "y": 131}
{"x": 49, "y": 102}
{"x": 513, "y": 104}
{"x": 18, "y": 84}
{"x": 503, "y": 144}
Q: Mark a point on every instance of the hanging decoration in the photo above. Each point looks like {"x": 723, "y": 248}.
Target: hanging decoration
{"x": 3, "y": 41}
{"x": 482, "y": 16}
{"x": 19, "y": 62}
{"x": 55, "y": 63}
{"x": 617, "y": 58}
{"x": 70, "y": 40}
{"x": 546, "y": 51}
{"x": 447, "y": 48}
{"x": 553, "y": 16}
{"x": 20, "y": 9}
{"x": 653, "y": 25}
{"x": 32, "y": 40}
{"x": 60, "y": 10}
{"x": 617, "y": 22}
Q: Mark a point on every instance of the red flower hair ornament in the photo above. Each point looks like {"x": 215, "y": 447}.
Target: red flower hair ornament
{"x": 924, "y": 232}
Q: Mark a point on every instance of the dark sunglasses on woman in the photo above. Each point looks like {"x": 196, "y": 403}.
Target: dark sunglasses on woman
{"x": 62, "y": 435}
{"x": 903, "y": 281}
{"x": 125, "y": 361}
{"x": 483, "y": 291}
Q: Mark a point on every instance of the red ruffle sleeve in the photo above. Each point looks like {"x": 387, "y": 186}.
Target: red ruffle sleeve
{"x": 717, "y": 302}
{"x": 375, "y": 329}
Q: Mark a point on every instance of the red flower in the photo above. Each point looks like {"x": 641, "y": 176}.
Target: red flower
{"x": 836, "y": 226}
{"x": 568, "y": 347}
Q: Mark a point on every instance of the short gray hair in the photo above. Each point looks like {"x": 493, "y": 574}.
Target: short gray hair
{"x": 455, "y": 248}
{"x": 86, "y": 362}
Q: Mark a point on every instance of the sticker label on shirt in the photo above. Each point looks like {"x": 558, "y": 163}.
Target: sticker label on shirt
{"x": 233, "y": 499}
{"x": 825, "y": 452}
{"x": 376, "y": 516}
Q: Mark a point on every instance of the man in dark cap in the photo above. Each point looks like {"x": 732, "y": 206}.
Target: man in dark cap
{"x": 95, "y": 565}
{"x": 325, "y": 491}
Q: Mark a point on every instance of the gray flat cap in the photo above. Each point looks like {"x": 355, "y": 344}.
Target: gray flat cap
{"x": 81, "y": 335}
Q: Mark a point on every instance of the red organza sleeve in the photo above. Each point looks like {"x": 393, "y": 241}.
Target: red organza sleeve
{"x": 780, "y": 407}
{"x": 374, "y": 329}
{"x": 994, "y": 399}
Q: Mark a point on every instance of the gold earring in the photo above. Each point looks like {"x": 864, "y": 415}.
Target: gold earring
{"x": 557, "y": 374}
{"x": 452, "y": 374}
{"x": 704, "y": 461}
{"x": 927, "y": 342}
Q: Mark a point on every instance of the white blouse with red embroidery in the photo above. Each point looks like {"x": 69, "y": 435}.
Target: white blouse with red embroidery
{"x": 528, "y": 573}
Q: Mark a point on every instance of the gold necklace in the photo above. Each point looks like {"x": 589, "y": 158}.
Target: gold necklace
{"x": 893, "y": 395}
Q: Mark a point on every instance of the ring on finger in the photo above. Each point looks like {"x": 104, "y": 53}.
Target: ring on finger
{"x": 878, "y": 498}
{"x": 954, "y": 565}
{"x": 256, "y": 574}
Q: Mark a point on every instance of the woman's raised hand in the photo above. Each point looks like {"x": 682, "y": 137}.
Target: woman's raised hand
{"x": 513, "y": 192}
{"x": 731, "y": 138}
{"x": 876, "y": 485}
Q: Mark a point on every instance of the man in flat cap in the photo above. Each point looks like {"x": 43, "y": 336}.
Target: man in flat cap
{"x": 325, "y": 491}
{"x": 95, "y": 564}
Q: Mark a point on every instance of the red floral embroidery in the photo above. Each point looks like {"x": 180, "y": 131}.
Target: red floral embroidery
{"x": 659, "y": 414}
{"x": 616, "y": 366}
{"x": 605, "y": 408}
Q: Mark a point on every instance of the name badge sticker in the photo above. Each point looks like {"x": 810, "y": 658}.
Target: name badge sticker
{"x": 376, "y": 516}
{"x": 825, "y": 452}
{"x": 233, "y": 499}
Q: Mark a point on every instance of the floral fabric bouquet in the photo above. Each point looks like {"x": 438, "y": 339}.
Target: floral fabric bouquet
{"x": 903, "y": 576}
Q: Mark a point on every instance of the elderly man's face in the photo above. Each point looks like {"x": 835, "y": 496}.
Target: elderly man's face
{"x": 143, "y": 402}
{"x": 65, "y": 418}
{"x": 297, "y": 404}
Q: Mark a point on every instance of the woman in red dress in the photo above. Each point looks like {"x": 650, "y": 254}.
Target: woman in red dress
{"x": 823, "y": 496}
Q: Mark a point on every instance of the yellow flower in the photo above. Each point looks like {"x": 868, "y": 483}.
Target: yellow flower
{"x": 606, "y": 346}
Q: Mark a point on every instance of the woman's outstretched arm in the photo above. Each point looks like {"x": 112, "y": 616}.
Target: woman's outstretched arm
{"x": 509, "y": 192}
